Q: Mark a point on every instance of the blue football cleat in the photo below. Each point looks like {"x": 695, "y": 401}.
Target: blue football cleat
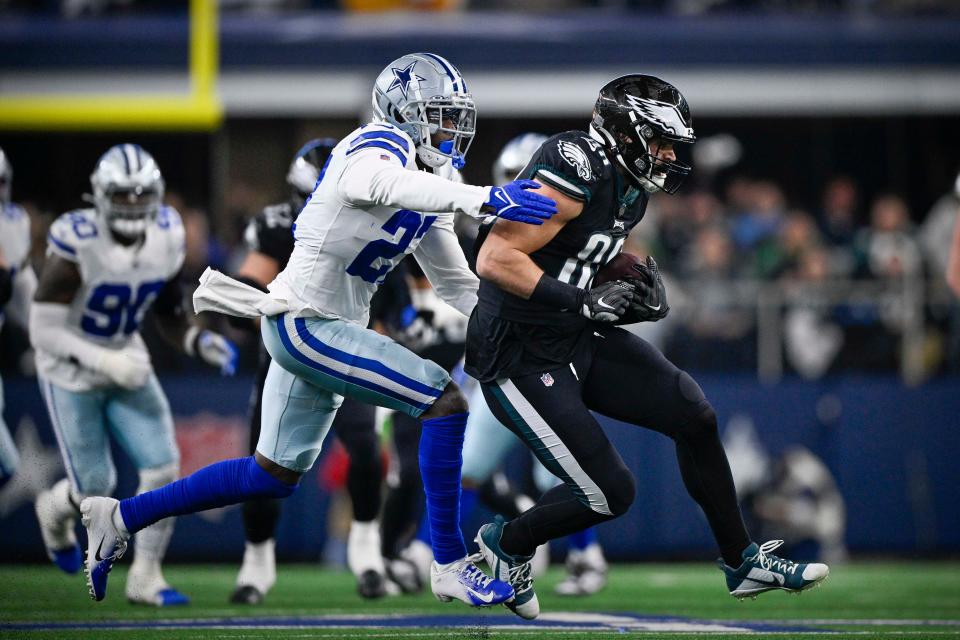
{"x": 465, "y": 582}
{"x": 105, "y": 545}
{"x": 761, "y": 571}
{"x": 516, "y": 570}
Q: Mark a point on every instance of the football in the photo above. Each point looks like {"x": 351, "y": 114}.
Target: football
{"x": 623, "y": 266}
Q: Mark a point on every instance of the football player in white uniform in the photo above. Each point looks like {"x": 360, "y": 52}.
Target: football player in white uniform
{"x": 105, "y": 267}
{"x": 372, "y": 206}
{"x": 17, "y": 284}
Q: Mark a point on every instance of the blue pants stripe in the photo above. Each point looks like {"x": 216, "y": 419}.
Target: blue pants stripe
{"x": 372, "y": 386}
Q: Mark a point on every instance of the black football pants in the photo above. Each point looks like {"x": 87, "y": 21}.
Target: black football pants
{"x": 621, "y": 376}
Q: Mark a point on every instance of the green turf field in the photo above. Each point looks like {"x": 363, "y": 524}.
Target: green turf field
{"x": 882, "y": 600}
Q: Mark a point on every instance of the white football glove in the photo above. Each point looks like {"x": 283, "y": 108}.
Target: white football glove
{"x": 128, "y": 367}
{"x": 212, "y": 348}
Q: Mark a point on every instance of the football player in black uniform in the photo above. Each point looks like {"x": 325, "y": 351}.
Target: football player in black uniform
{"x": 269, "y": 238}
{"x": 544, "y": 344}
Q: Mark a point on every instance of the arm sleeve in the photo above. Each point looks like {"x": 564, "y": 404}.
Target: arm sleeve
{"x": 24, "y": 286}
{"x": 370, "y": 180}
{"x": 48, "y": 331}
{"x": 443, "y": 262}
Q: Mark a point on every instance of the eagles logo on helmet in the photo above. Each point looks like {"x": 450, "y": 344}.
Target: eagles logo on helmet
{"x": 637, "y": 115}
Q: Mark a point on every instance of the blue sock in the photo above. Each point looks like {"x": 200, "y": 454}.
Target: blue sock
{"x": 468, "y": 500}
{"x": 441, "y": 457}
{"x": 582, "y": 539}
{"x": 216, "y": 485}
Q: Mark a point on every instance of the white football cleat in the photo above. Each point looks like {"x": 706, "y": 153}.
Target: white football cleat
{"x": 105, "y": 544}
{"x": 420, "y": 555}
{"x": 56, "y": 528}
{"x": 152, "y": 590}
{"x": 464, "y": 581}
{"x": 586, "y": 572}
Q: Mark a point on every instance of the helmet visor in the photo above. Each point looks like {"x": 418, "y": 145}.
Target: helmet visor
{"x": 452, "y": 123}
{"x": 657, "y": 161}
{"x": 130, "y": 208}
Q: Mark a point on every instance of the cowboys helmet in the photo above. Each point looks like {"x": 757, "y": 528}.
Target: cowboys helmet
{"x": 6, "y": 178}
{"x": 306, "y": 166}
{"x": 127, "y": 189}
{"x": 634, "y": 111}
{"x": 515, "y": 156}
{"x": 424, "y": 95}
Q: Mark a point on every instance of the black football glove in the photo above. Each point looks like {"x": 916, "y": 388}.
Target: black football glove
{"x": 609, "y": 301}
{"x": 650, "y": 303}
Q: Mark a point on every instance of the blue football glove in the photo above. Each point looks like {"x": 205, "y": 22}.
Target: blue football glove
{"x": 516, "y": 201}
{"x": 214, "y": 349}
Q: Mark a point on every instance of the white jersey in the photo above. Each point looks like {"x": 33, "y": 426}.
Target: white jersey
{"x": 359, "y": 223}
{"x": 15, "y": 249}
{"x": 119, "y": 285}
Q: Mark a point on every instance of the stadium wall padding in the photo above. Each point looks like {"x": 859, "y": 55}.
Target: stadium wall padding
{"x": 893, "y": 450}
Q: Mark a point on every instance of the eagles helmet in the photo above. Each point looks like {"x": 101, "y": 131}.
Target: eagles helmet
{"x": 634, "y": 111}
{"x": 515, "y": 156}
{"x": 306, "y": 167}
{"x": 127, "y": 189}
{"x": 6, "y": 178}
{"x": 423, "y": 94}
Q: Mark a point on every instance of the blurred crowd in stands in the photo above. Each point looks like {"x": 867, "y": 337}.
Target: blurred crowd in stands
{"x": 841, "y": 288}
{"x": 76, "y": 8}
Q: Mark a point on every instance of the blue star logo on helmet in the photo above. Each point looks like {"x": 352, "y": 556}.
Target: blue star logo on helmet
{"x": 403, "y": 77}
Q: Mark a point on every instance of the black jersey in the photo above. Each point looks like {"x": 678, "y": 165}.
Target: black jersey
{"x": 271, "y": 232}
{"x": 509, "y": 335}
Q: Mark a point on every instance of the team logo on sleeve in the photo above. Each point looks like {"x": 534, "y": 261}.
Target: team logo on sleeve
{"x": 576, "y": 158}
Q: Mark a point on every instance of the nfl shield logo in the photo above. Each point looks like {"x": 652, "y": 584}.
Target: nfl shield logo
{"x": 547, "y": 380}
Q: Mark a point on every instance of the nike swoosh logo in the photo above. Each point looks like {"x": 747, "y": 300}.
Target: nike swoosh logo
{"x": 482, "y": 598}
{"x": 97, "y": 554}
{"x": 656, "y": 308}
{"x": 603, "y": 304}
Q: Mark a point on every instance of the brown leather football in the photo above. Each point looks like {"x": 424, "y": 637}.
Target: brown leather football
{"x": 623, "y": 266}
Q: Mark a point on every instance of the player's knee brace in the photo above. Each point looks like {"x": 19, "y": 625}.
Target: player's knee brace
{"x": 156, "y": 477}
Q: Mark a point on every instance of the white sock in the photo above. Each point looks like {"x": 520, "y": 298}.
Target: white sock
{"x": 259, "y": 565}
{"x": 363, "y": 548}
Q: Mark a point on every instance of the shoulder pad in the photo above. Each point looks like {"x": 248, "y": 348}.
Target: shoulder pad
{"x": 169, "y": 219}
{"x": 70, "y": 232}
{"x": 382, "y": 136}
{"x": 171, "y": 225}
{"x": 570, "y": 162}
